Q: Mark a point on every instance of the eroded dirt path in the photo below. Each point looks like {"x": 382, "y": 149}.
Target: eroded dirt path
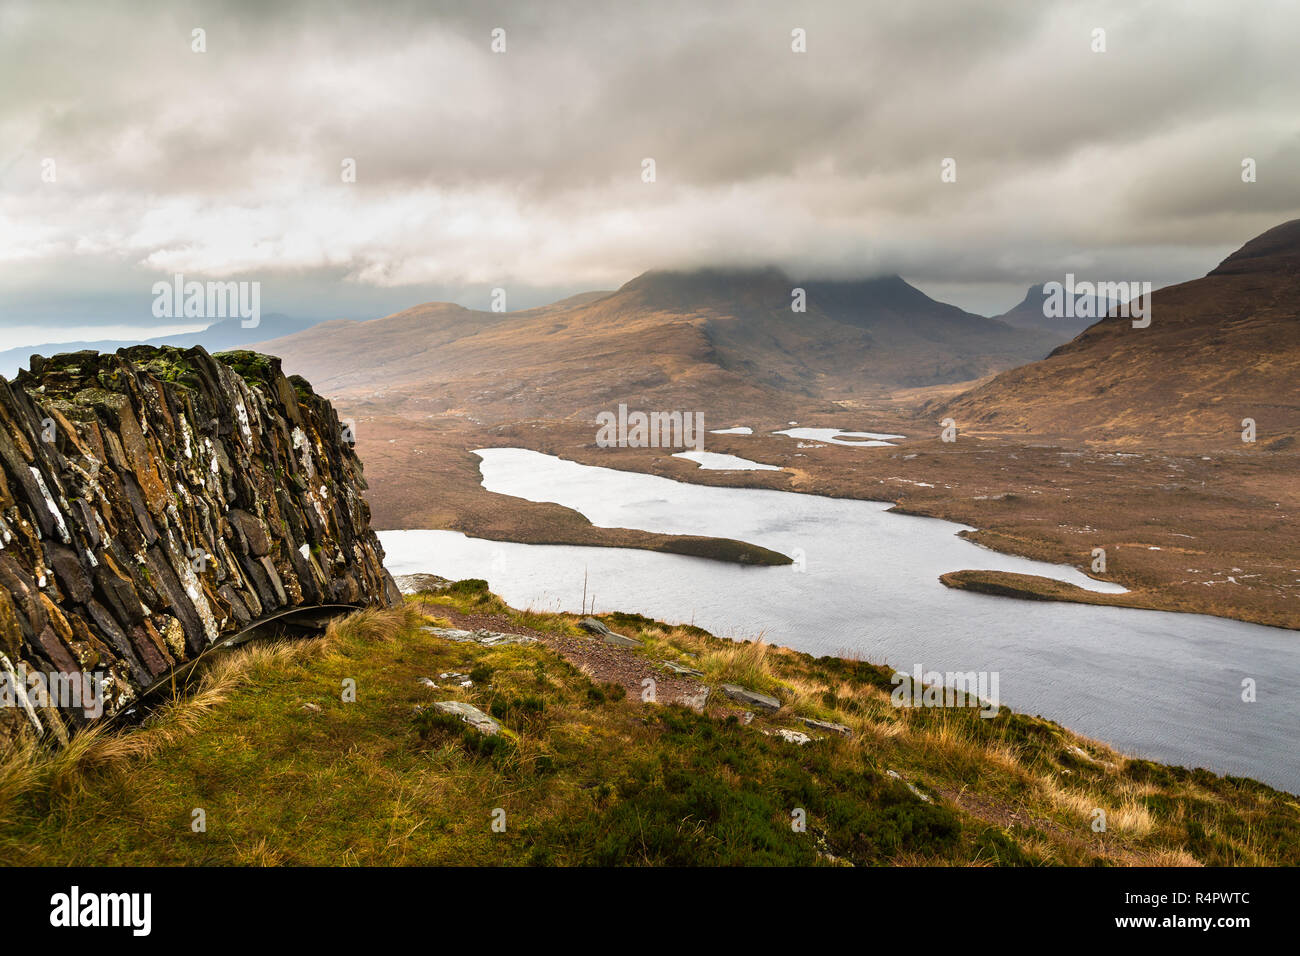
{"x": 603, "y": 663}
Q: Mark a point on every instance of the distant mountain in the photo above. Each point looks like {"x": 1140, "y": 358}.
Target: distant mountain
{"x": 1032, "y": 314}
{"x": 727, "y": 334}
{"x": 1219, "y": 349}
{"x": 226, "y": 334}
{"x": 854, "y": 335}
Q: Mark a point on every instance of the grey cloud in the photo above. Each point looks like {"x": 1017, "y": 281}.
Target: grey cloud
{"x": 823, "y": 162}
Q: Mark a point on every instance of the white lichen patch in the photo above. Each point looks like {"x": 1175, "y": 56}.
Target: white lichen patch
{"x": 187, "y": 448}
{"x": 90, "y": 480}
{"x": 49, "y": 503}
{"x": 173, "y": 636}
{"x": 20, "y": 693}
{"x": 193, "y": 587}
{"x": 104, "y": 536}
{"x": 320, "y": 512}
{"x": 301, "y": 444}
{"x": 241, "y": 415}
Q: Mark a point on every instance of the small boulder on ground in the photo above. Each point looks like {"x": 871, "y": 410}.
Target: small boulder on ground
{"x": 470, "y": 715}
{"x": 682, "y": 669}
{"x": 797, "y": 737}
{"x": 827, "y": 726}
{"x": 618, "y": 640}
{"x": 415, "y": 583}
{"x": 751, "y": 697}
{"x": 695, "y": 699}
{"x": 598, "y": 628}
{"x": 482, "y": 636}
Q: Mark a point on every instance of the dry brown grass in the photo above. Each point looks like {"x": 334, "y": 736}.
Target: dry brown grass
{"x": 1129, "y": 817}
{"x": 1167, "y": 857}
{"x": 260, "y": 854}
{"x": 745, "y": 663}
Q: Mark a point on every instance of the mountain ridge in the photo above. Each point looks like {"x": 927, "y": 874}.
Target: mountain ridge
{"x": 1220, "y": 349}
{"x": 851, "y": 335}
{"x": 1030, "y": 313}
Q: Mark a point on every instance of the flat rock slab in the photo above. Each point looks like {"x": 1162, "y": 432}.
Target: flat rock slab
{"x": 682, "y": 669}
{"x": 695, "y": 700}
{"x": 598, "y": 628}
{"x": 828, "y": 726}
{"x": 618, "y": 640}
{"x": 483, "y": 637}
{"x": 797, "y": 737}
{"x": 415, "y": 583}
{"x": 751, "y": 697}
{"x": 470, "y": 714}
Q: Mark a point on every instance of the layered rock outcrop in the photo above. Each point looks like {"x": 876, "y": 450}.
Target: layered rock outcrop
{"x": 154, "y": 501}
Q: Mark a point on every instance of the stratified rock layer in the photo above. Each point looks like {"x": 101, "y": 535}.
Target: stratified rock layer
{"x": 156, "y": 500}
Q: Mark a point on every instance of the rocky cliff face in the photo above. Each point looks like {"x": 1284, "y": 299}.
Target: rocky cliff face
{"x": 154, "y": 501}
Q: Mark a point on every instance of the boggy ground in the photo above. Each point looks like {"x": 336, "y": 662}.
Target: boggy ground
{"x": 1210, "y": 532}
{"x": 587, "y": 771}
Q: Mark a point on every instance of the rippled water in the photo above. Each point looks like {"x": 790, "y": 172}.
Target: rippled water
{"x": 1152, "y": 683}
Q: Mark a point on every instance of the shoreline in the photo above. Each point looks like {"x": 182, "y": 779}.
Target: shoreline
{"x": 1137, "y": 596}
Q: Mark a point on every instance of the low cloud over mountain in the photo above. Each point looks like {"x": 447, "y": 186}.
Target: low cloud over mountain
{"x": 523, "y": 169}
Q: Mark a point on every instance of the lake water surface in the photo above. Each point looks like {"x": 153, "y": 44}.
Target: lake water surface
{"x": 1152, "y": 683}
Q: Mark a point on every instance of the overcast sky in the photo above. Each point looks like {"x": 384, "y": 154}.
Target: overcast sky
{"x": 523, "y": 169}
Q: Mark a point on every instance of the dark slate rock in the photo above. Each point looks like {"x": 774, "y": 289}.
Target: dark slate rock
{"x": 751, "y": 698}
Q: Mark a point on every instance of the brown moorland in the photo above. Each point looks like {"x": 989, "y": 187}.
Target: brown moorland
{"x": 1127, "y": 439}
